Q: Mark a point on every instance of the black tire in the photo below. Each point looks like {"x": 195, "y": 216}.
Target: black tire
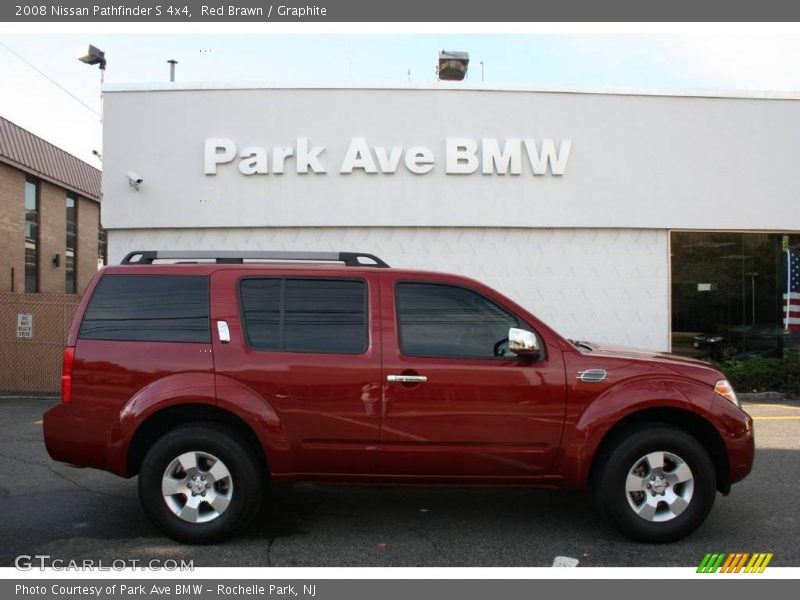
{"x": 247, "y": 480}
{"x": 612, "y": 499}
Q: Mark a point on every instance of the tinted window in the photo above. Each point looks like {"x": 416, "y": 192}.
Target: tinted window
{"x": 154, "y": 308}
{"x": 31, "y": 236}
{"x": 72, "y": 244}
{"x": 449, "y": 321}
{"x": 261, "y": 305}
{"x": 305, "y": 315}
{"x": 102, "y": 245}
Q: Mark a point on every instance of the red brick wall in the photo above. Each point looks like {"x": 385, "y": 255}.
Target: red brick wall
{"x": 52, "y": 237}
{"x": 35, "y": 365}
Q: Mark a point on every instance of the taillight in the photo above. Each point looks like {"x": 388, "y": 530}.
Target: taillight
{"x": 66, "y": 375}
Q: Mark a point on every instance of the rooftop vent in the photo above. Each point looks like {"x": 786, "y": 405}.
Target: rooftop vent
{"x": 453, "y": 65}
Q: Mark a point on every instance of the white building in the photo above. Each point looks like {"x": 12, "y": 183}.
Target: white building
{"x": 569, "y": 202}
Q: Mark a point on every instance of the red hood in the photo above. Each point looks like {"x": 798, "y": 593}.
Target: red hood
{"x": 641, "y": 353}
{"x": 691, "y": 367}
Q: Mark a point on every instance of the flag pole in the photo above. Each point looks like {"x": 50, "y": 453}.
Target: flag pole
{"x": 788, "y": 287}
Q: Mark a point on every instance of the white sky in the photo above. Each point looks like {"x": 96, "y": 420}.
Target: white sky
{"x": 654, "y": 62}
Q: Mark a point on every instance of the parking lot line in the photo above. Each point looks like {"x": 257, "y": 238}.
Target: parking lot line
{"x": 778, "y": 418}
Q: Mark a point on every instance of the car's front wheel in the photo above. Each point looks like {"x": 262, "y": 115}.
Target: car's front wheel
{"x": 199, "y": 484}
{"x": 657, "y": 484}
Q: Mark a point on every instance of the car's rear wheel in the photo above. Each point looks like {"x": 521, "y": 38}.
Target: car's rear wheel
{"x": 656, "y": 484}
{"x": 199, "y": 484}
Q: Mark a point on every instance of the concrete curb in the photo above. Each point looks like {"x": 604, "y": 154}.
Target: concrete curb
{"x": 762, "y": 397}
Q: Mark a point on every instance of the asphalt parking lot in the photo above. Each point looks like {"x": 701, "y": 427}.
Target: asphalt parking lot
{"x": 50, "y": 508}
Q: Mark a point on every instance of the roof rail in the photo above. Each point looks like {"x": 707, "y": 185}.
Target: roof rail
{"x": 350, "y": 259}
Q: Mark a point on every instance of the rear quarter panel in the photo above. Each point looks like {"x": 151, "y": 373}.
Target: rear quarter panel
{"x": 107, "y": 376}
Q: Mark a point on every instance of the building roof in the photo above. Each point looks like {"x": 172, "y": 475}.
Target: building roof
{"x": 463, "y": 86}
{"x": 30, "y": 153}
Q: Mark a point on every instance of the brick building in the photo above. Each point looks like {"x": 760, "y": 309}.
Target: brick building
{"x": 50, "y": 246}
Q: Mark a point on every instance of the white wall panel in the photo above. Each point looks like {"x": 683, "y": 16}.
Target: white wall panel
{"x": 605, "y": 285}
{"x": 660, "y": 162}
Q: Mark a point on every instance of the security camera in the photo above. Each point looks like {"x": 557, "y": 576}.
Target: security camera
{"x": 134, "y": 180}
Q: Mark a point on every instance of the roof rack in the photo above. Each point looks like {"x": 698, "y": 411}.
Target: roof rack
{"x": 350, "y": 259}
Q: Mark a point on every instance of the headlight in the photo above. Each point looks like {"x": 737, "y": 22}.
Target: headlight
{"x": 725, "y": 389}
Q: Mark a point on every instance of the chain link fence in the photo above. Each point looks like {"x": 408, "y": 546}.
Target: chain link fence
{"x": 33, "y": 333}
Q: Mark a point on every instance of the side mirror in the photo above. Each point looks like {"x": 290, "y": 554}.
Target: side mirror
{"x": 523, "y": 343}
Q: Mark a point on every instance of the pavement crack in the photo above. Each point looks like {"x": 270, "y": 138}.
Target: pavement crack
{"x": 274, "y": 531}
{"x": 33, "y": 463}
{"x": 436, "y": 546}
{"x": 270, "y": 542}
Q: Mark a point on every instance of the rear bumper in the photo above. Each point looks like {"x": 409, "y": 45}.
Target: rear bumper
{"x": 84, "y": 442}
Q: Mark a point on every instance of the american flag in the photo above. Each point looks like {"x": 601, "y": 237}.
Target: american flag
{"x": 791, "y": 297}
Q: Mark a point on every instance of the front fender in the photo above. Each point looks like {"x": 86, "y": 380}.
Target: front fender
{"x": 582, "y": 439}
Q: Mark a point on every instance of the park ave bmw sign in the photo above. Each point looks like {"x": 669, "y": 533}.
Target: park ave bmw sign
{"x": 462, "y": 156}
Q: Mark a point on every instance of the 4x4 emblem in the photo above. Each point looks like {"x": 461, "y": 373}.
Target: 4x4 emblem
{"x": 593, "y": 375}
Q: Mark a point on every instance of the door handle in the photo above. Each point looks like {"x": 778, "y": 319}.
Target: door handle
{"x": 406, "y": 378}
{"x": 224, "y": 332}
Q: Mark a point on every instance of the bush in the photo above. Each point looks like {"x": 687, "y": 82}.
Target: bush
{"x": 765, "y": 374}
{"x": 754, "y": 375}
{"x": 792, "y": 373}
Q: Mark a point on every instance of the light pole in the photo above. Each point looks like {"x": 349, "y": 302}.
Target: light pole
{"x": 94, "y": 56}
{"x": 752, "y": 277}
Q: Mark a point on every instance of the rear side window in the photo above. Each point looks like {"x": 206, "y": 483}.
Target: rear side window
{"x": 438, "y": 320}
{"x": 305, "y": 315}
{"x": 148, "y": 308}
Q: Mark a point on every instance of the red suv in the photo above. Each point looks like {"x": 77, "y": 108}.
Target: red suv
{"x": 207, "y": 379}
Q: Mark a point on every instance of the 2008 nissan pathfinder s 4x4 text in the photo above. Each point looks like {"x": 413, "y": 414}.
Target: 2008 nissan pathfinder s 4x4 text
{"x": 207, "y": 379}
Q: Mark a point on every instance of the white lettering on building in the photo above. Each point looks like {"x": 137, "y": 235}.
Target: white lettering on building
{"x": 218, "y": 151}
{"x": 463, "y": 156}
{"x": 548, "y": 155}
{"x": 358, "y": 156}
{"x": 254, "y": 161}
{"x": 507, "y": 160}
{"x": 419, "y": 160}
{"x": 309, "y": 159}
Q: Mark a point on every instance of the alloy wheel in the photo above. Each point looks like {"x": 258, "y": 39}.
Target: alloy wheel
{"x": 659, "y": 486}
{"x": 197, "y": 487}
